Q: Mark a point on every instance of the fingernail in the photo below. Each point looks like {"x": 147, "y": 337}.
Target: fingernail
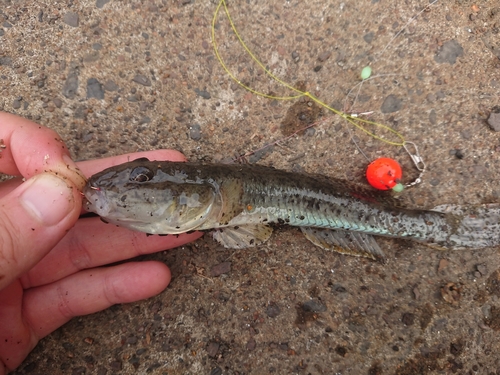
{"x": 47, "y": 198}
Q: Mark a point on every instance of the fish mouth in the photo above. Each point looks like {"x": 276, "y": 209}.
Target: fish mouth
{"x": 95, "y": 200}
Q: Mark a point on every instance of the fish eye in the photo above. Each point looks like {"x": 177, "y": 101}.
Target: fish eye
{"x": 141, "y": 174}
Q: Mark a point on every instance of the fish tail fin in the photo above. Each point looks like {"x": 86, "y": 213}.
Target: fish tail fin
{"x": 472, "y": 226}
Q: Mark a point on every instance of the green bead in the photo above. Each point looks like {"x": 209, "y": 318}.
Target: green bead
{"x": 398, "y": 188}
{"x": 366, "y": 73}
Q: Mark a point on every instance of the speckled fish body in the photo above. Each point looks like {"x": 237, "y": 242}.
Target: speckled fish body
{"x": 244, "y": 202}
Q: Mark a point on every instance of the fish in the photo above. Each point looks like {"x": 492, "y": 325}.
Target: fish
{"x": 241, "y": 204}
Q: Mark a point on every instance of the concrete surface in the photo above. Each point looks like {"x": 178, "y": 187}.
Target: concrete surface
{"x": 120, "y": 76}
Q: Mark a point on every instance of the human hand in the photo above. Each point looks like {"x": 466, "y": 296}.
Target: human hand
{"x": 50, "y": 260}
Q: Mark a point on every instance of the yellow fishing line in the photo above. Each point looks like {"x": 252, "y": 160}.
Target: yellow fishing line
{"x": 357, "y": 122}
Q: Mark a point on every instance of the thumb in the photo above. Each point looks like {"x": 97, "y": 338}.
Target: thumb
{"x": 33, "y": 219}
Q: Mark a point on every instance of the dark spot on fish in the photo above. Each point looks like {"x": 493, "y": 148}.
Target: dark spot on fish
{"x": 177, "y": 227}
{"x": 236, "y": 227}
{"x": 123, "y": 197}
{"x": 301, "y": 217}
{"x": 252, "y": 241}
{"x": 287, "y": 220}
{"x": 281, "y": 221}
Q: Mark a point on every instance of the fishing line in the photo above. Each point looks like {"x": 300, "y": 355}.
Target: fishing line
{"x": 353, "y": 118}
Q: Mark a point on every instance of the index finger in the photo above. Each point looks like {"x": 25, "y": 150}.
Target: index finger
{"x": 28, "y": 149}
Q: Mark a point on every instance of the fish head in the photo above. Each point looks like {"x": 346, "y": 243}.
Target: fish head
{"x": 146, "y": 197}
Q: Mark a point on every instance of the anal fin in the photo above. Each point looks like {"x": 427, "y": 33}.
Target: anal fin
{"x": 345, "y": 242}
{"x": 243, "y": 236}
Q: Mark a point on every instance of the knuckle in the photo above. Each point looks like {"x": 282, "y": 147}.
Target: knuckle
{"x": 79, "y": 254}
{"x": 63, "y": 304}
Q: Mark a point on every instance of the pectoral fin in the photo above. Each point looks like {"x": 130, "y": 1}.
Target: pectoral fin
{"x": 345, "y": 242}
{"x": 242, "y": 237}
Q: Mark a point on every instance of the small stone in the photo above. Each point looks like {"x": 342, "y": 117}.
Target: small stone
{"x": 482, "y": 269}
{"x": 100, "y": 3}
{"x": 131, "y": 340}
{"x": 212, "y": 348}
{"x": 195, "y": 132}
{"x": 443, "y": 263}
{"x": 317, "y": 68}
{"x": 2, "y": 32}
{"x": 220, "y": 269}
{"x": 97, "y": 46}
{"x": 368, "y": 38}
{"x": 449, "y": 52}
{"x": 313, "y": 305}
{"x": 144, "y": 120}
{"x": 153, "y": 367}
{"x": 216, "y": 371}
{"x": 324, "y": 56}
{"x": 79, "y": 371}
{"x": 494, "y": 119}
{"x": 432, "y": 117}
{"x": 459, "y": 154}
{"x": 71, "y": 19}
{"x": 391, "y": 104}
{"x": 203, "y": 93}
{"x": 16, "y": 104}
{"x": 142, "y": 80}
{"x": 295, "y": 56}
{"x": 251, "y": 344}
{"x": 94, "y": 89}
{"x": 116, "y": 365}
{"x": 110, "y": 85}
{"x": 273, "y": 310}
{"x": 5, "y": 60}
{"x": 434, "y": 182}
{"x": 87, "y": 137}
{"x": 70, "y": 86}
{"x": 440, "y": 95}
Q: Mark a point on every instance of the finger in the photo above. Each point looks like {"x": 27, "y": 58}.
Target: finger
{"x": 29, "y": 149}
{"x": 90, "y": 167}
{"x": 7, "y": 186}
{"x": 16, "y": 338}
{"x": 33, "y": 219}
{"x": 50, "y": 306}
{"x": 92, "y": 243}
